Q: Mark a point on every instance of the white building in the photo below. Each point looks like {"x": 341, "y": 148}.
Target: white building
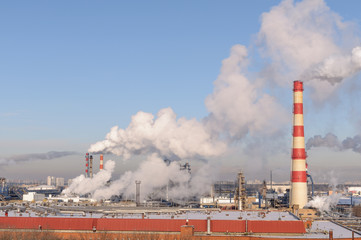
{"x": 33, "y": 196}
{"x": 50, "y": 181}
{"x": 60, "y": 182}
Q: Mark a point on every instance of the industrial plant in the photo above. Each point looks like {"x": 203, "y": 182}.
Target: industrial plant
{"x": 238, "y": 209}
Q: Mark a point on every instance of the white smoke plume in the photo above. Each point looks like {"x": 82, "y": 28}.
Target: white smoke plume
{"x": 308, "y": 41}
{"x": 238, "y": 106}
{"x": 324, "y": 203}
{"x": 169, "y": 137}
{"x": 331, "y": 141}
{"x": 336, "y": 68}
{"x": 153, "y": 173}
{"x": 82, "y": 185}
{"x": 35, "y": 156}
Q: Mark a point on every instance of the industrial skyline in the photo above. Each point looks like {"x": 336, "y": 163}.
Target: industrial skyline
{"x": 206, "y": 82}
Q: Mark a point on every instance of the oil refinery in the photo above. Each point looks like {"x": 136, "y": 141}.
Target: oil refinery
{"x": 231, "y": 210}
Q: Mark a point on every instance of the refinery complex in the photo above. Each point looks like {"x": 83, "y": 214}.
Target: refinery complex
{"x": 238, "y": 209}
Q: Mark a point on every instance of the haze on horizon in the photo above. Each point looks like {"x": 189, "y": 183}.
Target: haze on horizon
{"x": 206, "y": 82}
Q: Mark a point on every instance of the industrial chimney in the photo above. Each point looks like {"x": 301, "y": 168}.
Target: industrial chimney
{"x": 87, "y": 165}
{"x": 298, "y": 195}
{"x": 101, "y": 162}
{"x": 91, "y": 166}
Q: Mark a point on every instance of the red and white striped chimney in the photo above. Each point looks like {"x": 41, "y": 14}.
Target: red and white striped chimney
{"x": 298, "y": 175}
{"x": 86, "y": 164}
{"x": 101, "y": 162}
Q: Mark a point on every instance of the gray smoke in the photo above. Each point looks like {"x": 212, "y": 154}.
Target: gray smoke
{"x": 331, "y": 141}
{"x": 353, "y": 143}
{"x": 35, "y": 156}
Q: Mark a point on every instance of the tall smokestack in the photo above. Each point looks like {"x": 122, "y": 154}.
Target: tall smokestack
{"x": 87, "y": 165}
{"x": 91, "y": 166}
{"x": 101, "y": 162}
{"x": 298, "y": 174}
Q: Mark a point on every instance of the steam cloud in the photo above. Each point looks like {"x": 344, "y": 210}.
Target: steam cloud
{"x": 309, "y": 41}
{"x": 300, "y": 39}
{"x": 238, "y": 106}
{"x": 336, "y": 68}
{"x": 167, "y": 136}
{"x": 324, "y": 203}
{"x": 331, "y": 141}
{"x": 34, "y": 156}
{"x": 154, "y": 173}
{"x": 82, "y": 185}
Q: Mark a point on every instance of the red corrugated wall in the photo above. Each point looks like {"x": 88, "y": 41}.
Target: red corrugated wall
{"x": 47, "y": 223}
{"x": 228, "y": 226}
{"x": 161, "y": 225}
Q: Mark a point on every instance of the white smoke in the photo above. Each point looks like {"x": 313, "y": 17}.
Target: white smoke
{"x": 336, "y": 68}
{"x": 306, "y": 40}
{"x": 331, "y": 141}
{"x": 153, "y": 173}
{"x": 238, "y": 106}
{"x": 82, "y": 185}
{"x": 324, "y": 203}
{"x": 169, "y": 137}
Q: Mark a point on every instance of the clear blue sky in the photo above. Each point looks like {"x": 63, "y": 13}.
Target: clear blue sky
{"x": 71, "y": 70}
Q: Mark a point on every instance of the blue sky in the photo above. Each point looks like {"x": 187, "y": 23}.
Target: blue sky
{"x": 71, "y": 70}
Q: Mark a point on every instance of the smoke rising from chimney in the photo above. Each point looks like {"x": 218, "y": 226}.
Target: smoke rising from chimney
{"x": 82, "y": 185}
{"x": 308, "y": 41}
{"x": 154, "y": 173}
{"x": 334, "y": 69}
{"x": 35, "y": 156}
